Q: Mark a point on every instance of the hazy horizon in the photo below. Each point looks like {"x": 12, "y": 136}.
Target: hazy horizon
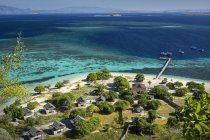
{"x": 135, "y": 5}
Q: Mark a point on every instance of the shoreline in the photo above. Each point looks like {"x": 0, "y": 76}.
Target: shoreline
{"x": 78, "y": 78}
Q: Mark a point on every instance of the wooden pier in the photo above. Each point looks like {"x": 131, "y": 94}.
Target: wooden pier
{"x": 164, "y": 68}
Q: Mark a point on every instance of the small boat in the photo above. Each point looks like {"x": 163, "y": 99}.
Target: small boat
{"x": 201, "y": 50}
{"x": 181, "y": 52}
{"x": 193, "y": 48}
{"x": 166, "y": 54}
{"x": 116, "y": 15}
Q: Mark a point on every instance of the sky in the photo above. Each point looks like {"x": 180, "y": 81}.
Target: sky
{"x": 149, "y": 5}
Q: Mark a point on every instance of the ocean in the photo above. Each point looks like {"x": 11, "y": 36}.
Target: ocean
{"x": 62, "y": 45}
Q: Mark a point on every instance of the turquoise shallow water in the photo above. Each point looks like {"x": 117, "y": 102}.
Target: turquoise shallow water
{"x": 61, "y": 45}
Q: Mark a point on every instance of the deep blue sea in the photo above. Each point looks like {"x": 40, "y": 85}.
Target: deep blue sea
{"x": 59, "y": 45}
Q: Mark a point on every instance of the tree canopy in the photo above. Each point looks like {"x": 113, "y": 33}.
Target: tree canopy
{"x": 121, "y": 83}
{"x": 161, "y": 93}
{"x": 84, "y": 127}
{"x": 39, "y": 89}
{"x": 139, "y": 77}
{"x": 106, "y": 108}
{"x": 122, "y": 105}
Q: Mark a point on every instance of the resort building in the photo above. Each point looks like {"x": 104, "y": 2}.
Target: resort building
{"x": 138, "y": 109}
{"x": 164, "y": 81}
{"x": 101, "y": 99}
{"x": 27, "y": 112}
{"x": 138, "y": 87}
{"x": 49, "y": 108}
{"x": 57, "y": 127}
{"x": 81, "y": 102}
{"x": 33, "y": 134}
{"x": 77, "y": 119}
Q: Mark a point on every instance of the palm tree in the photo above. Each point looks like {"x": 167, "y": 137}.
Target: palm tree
{"x": 149, "y": 82}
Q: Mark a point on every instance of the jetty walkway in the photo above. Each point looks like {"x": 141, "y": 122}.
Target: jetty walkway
{"x": 164, "y": 68}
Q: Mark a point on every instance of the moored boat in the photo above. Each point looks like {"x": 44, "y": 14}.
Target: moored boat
{"x": 180, "y": 51}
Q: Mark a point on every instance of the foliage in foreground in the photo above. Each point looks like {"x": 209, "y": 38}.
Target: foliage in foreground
{"x": 195, "y": 115}
{"x": 9, "y": 64}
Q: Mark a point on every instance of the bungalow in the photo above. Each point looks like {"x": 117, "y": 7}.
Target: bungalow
{"x": 66, "y": 82}
{"x": 77, "y": 119}
{"x": 138, "y": 109}
{"x": 33, "y": 134}
{"x": 164, "y": 81}
{"x": 163, "y": 87}
{"x": 27, "y": 112}
{"x": 101, "y": 99}
{"x": 150, "y": 97}
{"x": 57, "y": 127}
{"x": 81, "y": 102}
{"x": 138, "y": 87}
{"x": 49, "y": 108}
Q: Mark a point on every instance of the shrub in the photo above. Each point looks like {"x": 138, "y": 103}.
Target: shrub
{"x": 78, "y": 87}
{"x": 143, "y": 127}
{"x": 39, "y": 89}
{"x": 178, "y": 84}
{"x": 152, "y": 115}
{"x": 181, "y": 92}
{"x": 76, "y": 112}
{"x": 173, "y": 122}
{"x": 59, "y": 84}
{"x": 170, "y": 85}
{"x": 92, "y": 109}
{"x": 85, "y": 127}
{"x": 91, "y": 77}
{"x": 121, "y": 83}
{"x": 139, "y": 77}
{"x": 32, "y": 105}
{"x": 154, "y": 104}
{"x": 30, "y": 122}
{"x": 56, "y": 94}
{"x": 195, "y": 86}
{"x": 106, "y": 108}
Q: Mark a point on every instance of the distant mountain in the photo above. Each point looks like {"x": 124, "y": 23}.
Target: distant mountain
{"x": 90, "y": 10}
{"x": 6, "y": 10}
{"x": 188, "y": 11}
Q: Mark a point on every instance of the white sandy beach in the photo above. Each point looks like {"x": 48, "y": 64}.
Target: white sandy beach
{"x": 130, "y": 76}
{"x": 80, "y": 79}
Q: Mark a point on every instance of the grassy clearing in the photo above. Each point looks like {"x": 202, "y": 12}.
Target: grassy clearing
{"x": 179, "y": 100}
{"x": 164, "y": 110}
{"x": 50, "y": 118}
{"x": 83, "y": 91}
